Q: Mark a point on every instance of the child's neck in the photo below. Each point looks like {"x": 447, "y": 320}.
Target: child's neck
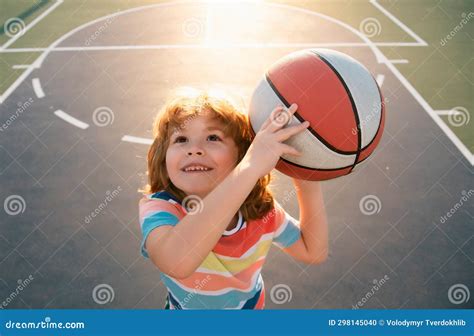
{"x": 233, "y": 223}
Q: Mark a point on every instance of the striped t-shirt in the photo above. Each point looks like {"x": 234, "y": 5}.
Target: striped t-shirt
{"x": 230, "y": 276}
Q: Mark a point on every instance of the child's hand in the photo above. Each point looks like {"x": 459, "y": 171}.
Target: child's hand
{"x": 267, "y": 147}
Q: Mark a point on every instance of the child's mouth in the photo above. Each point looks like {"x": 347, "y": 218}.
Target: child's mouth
{"x": 198, "y": 171}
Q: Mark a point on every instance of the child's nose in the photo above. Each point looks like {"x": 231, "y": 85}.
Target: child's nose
{"x": 196, "y": 152}
{"x": 195, "y": 149}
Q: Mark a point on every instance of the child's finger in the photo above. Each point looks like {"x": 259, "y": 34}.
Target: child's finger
{"x": 288, "y": 132}
{"x": 292, "y": 109}
{"x": 281, "y": 118}
{"x": 269, "y": 119}
{"x": 287, "y": 149}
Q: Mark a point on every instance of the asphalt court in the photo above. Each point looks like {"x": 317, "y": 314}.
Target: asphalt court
{"x": 65, "y": 164}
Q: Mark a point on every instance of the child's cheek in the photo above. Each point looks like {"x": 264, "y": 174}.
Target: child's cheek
{"x": 170, "y": 160}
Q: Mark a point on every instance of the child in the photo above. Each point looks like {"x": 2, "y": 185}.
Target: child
{"x": 208, "y": 218}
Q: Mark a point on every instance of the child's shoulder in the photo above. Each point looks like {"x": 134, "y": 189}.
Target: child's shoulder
{"x": 162, "y": 195}
{"x": 161, "y": 201}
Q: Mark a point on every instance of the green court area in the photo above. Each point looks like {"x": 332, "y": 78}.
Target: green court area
{"x": 441, "y": 71}
{"x": 27, "y": 11}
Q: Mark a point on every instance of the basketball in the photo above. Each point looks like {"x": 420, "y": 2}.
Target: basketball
{"x": 341, "y": 100}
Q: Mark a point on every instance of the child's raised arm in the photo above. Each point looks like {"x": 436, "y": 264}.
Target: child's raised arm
{"x": 179, "y": 250}
{"x": 312, "y": 247}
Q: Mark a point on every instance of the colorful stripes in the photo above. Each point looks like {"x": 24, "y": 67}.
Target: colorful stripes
{"x": 230, "y": 276}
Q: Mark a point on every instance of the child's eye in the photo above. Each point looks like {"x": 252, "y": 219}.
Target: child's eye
{"x": 178, "y": 139}
{"x": 214, "y": 137}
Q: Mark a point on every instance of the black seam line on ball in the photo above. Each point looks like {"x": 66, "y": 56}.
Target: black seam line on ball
{"x": 382, "y": 105}
{"x": 301, "y": 119}
{"x": 315, "y": 169}
{"x": 354, "y": 107}
{"x": 320, "y": 169}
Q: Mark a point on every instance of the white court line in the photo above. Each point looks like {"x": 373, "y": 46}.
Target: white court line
{"x": 258, "y": 45}
{"x": 380, "y": 78}
{"x": 143, "y": 141}
{"x": 407, "y": 30}
{"x": 381, "y": 58}
{"x": 436, "y": 118}
{"x": 37, "y": 88}
{"x": 66, "y": 117}
{"x": 447, "y": 112}
{"x": 398, "y": 61}
{"x": 32, "y": 23}
{"x": 53, "y": 46}
{"x": 21, "y": 66}
{"x": 17, "y": 82}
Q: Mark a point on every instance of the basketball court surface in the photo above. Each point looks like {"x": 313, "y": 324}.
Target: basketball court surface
{"x": 77, "y": 108}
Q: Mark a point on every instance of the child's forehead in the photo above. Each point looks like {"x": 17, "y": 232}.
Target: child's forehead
{"x": 202, "y": 121}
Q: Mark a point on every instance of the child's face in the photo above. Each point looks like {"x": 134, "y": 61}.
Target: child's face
{"x": 202, "y": 141}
